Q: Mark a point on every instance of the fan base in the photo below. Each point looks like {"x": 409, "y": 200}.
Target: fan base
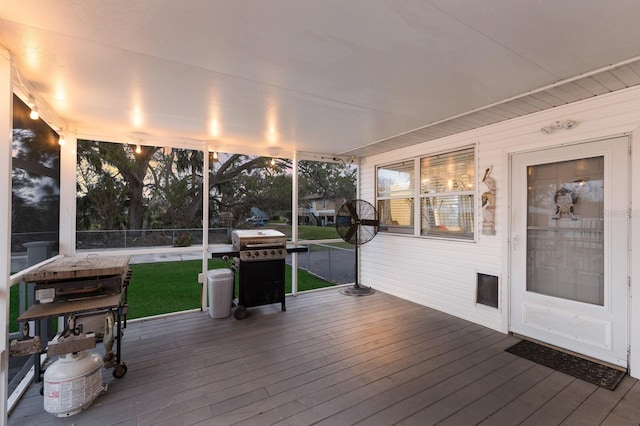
{"x": 357, "y": 290}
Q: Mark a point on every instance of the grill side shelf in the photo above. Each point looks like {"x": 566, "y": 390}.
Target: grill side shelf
{"x": 227, "y": 250}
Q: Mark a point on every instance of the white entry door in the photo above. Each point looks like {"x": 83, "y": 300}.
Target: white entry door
{"x": 569, "y": 252}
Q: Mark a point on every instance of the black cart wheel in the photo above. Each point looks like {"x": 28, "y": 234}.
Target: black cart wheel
{"x": 240, "y": 312}
{"x": 120, "y": 370}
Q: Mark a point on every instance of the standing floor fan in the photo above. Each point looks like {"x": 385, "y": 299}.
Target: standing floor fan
{"x": 357, "y": 224}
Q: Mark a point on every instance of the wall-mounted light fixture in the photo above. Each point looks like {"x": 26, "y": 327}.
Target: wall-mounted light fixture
{"x": 61, "y": 140}
{"x": 215, "y": 155}
{"x": 138, "y": 149}
{"x": 34, "y": 113}
{"x": 273, "y": 161}
{"x": 559, "y": 125}
{"x": 34, "y": 109}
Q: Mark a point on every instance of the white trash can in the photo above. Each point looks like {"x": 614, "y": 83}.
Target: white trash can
{"x": 220, "y": 283}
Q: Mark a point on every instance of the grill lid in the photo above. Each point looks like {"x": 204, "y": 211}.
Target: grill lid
{"x": 249, "y": 239}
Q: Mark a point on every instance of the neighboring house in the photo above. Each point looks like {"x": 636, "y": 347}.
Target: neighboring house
{"x": 320, "y": 211}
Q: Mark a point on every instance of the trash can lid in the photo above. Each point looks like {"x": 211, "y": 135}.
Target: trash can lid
{"x": 220, "y": 273}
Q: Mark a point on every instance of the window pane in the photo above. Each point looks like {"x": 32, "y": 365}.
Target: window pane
{"x": 35, "y": 189}
{"x": 396, "y": 215}
{"x": 396, "y": 180}
{"x": 127, "y": 198}
{"x": 565, "y": 222}
{"x": 451, "y": 172}
{"x": 447, "y": 216}
{"x": 323, "y": 188}
{"x": 247, "y": 191}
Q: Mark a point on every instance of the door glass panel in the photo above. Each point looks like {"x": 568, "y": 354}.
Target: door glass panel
{"x": 565, "y": 230}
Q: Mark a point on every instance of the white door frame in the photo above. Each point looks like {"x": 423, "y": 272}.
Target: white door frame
{"x": 535, "y": 314}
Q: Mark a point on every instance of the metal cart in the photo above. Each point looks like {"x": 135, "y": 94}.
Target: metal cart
{"x": 79, "y": 289}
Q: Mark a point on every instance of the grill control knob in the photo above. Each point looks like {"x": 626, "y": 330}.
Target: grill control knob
{"x": 256, "y": 254}
{"x": 273, "y": 252}
{"x": 265, "y": 252}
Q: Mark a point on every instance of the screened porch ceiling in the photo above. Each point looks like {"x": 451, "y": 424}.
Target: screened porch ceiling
{"x": 332, "y": 77}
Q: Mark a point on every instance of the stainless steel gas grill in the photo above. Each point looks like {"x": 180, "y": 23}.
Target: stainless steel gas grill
{"x": 259, "y": 258}
{"x": 260, "y": 264}
{"x": 259, "y": 245}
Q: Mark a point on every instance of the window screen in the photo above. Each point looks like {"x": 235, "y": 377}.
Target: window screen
{"x": 447, "y": 194}
{"x": 395, "y": 197}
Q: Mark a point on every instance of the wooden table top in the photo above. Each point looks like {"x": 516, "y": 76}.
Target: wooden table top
{"x": 46, "y": 310}
{"x": 66, "y": 268}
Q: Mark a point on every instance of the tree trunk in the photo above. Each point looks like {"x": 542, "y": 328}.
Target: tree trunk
{"x": 134, "y": 174}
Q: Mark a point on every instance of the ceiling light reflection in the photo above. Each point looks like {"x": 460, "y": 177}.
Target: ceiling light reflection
{"x": 137, "y": 117}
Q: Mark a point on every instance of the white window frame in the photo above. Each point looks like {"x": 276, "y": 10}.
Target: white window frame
{"x": 417, "y": 198}
{"x": 398, "y": 228}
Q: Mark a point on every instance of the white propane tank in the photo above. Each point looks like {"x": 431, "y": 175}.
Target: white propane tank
{"x": 72, "y": 383}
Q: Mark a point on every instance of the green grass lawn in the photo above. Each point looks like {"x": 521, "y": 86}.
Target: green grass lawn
{"x": 161, "y": 288}
{"x": 13, "y": 308}
{"x": 306, "y": 232}
{"x": 317, "y": 232}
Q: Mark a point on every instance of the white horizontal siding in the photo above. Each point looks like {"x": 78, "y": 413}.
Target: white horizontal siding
{"x": 442, "y": 274}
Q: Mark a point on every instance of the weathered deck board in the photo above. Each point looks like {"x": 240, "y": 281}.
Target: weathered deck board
{"x": 334, "y": 360}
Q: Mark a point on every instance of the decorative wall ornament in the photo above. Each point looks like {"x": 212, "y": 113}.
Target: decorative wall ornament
{"x": 489, "y": 204}
{"x": 559, "y": 125}
{"x": 565, "y": 200}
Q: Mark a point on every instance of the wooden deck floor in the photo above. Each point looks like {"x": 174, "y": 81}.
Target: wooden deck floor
{"x": 335, "y": 360}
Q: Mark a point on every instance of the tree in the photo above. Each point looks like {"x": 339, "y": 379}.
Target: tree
{"x": 329, "y": 180}
{"x": 162, "y": 188}
{"x": 175, "y": 190}
{"x": 101, "y": 160}
{"x": 239, "y": 182}
{"x": 104, "y": 204}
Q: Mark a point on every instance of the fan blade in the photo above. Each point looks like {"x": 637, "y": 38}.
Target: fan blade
{"x": 352, "y": 210}
{"x": 370, "y": 222}
{"x": 350, "y": 232}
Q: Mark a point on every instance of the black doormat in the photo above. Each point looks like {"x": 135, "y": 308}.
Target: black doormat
{"x": 583, "y": 369}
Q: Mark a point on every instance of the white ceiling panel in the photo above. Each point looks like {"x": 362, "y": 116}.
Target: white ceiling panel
{"x": 556, "y": 35}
